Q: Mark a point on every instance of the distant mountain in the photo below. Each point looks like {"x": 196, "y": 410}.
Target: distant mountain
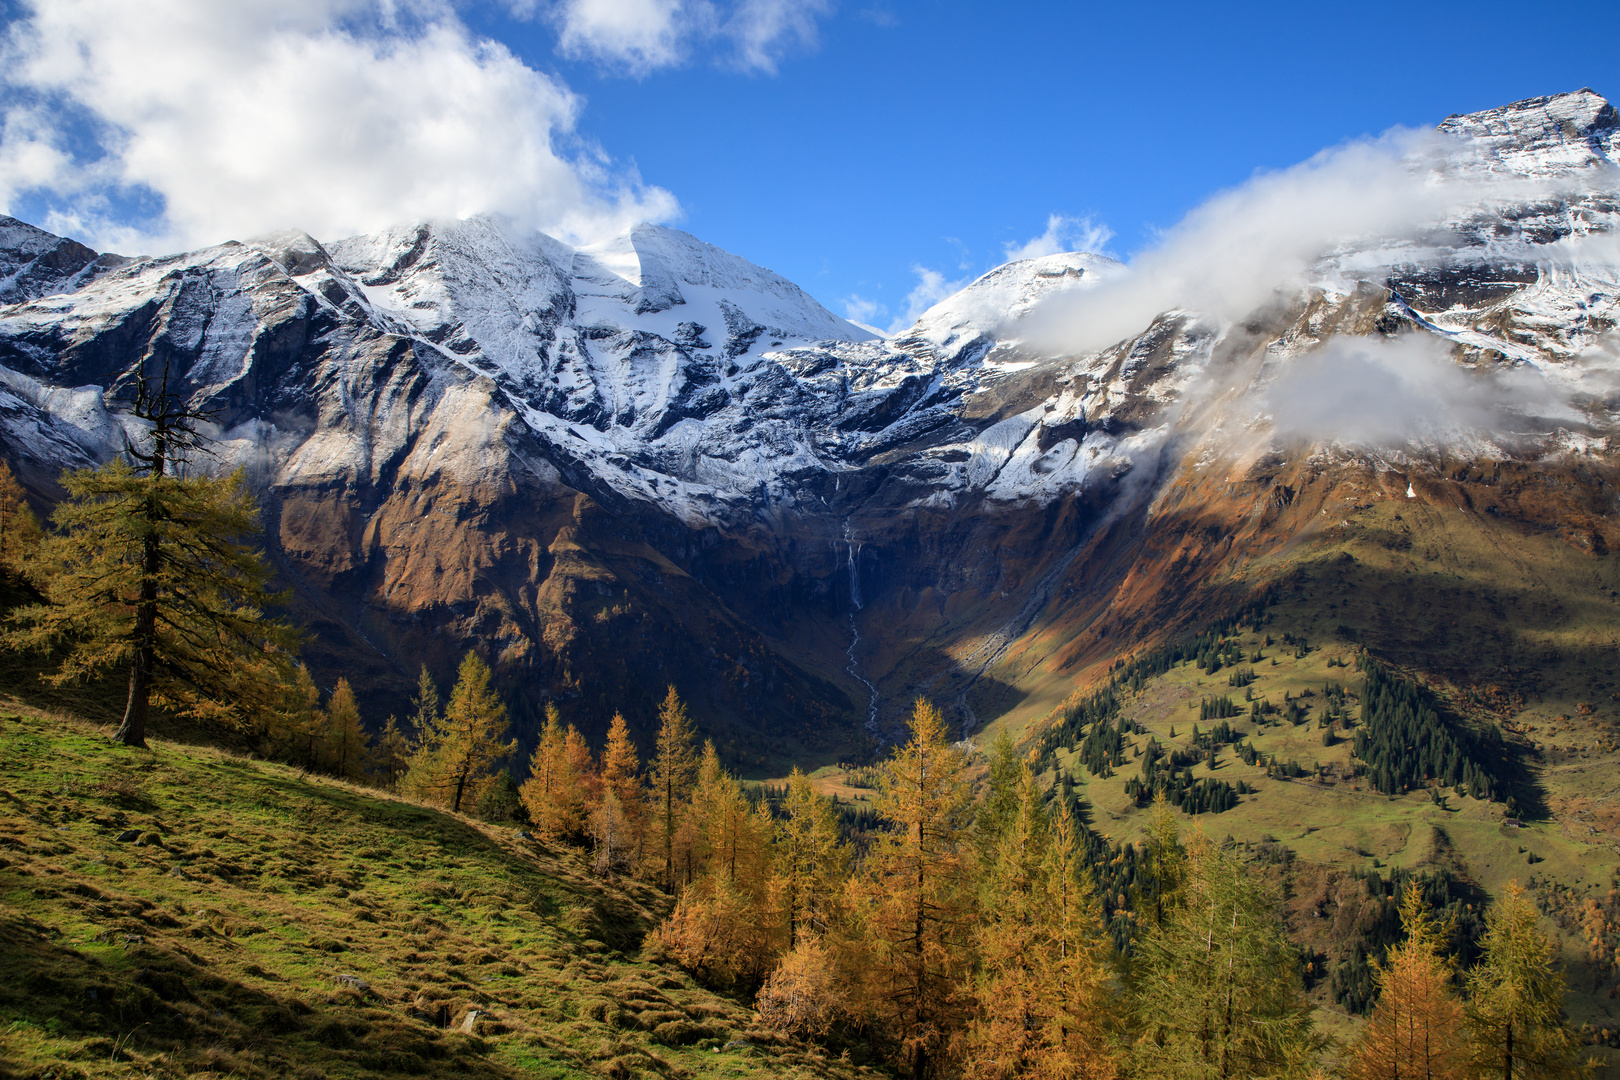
{"x": 652, "y": 461}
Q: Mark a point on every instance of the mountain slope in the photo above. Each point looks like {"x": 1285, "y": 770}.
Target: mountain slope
{"x": 652, "y": 461}
{"x": 390, "y": 939}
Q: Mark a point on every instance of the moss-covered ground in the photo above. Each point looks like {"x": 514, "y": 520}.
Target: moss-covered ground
{"x": 182, "y": 911}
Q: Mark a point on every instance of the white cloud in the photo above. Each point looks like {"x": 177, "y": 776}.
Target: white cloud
{"x": 863, "y": 312}
{"x": 1279, "y": 231}
{"x": 932, "y": 287}
{"x": 334, "y": 116}
{"x": 640, "y": 36}
{"x": 1063, "y": 234}
{"x": 637, "y": 35}
{"x": 1384, "y": 392}
{"x": 765, "y": 30}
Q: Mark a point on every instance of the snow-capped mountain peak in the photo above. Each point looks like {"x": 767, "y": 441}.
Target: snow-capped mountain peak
{"x": 967, "y": 324}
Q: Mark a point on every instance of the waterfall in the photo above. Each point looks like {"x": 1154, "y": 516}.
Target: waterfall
{"x": 854, "y": 667}
{"x": 854, "y": 549}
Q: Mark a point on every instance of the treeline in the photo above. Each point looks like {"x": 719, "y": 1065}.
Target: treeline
{"x": 1210, "y": 649}
{"x": 989, "y": 934}
{"x": 1405, "y": 743}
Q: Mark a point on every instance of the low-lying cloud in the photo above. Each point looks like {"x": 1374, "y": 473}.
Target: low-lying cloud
{"x": 1237, "y": 251}
{"x": 1383, "y": 392}
{"x": 170, "y": 124}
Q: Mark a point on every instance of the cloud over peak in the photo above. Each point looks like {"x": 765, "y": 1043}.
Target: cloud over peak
{"x": 1063, "y": 234}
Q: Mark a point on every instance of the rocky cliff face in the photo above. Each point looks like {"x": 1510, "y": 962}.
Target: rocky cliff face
{"x": 653, "y": 461}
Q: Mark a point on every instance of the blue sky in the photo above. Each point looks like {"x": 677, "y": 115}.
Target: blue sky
{"x": 876, "y": 141}
{"x": 937, "y": 133}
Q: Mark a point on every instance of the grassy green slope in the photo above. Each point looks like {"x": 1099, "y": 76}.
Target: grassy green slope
{"x": 1339, "y": 823}
{"x": 270, "y": 924}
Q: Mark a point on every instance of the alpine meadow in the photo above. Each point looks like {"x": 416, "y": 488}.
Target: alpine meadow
{"x": 508, "y": 636}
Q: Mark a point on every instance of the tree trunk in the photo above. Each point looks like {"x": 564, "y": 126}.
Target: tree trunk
{"x": 132, "y": 732}
{"x": 669, "y": 833}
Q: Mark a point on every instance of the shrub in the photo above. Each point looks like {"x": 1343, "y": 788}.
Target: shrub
{"x": 802, "y": 996}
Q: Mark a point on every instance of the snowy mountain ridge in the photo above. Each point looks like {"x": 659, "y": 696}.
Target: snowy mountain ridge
{"x": 662, "y": 369}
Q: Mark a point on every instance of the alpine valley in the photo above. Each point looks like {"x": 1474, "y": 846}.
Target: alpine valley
{"x": 652, "y": 462}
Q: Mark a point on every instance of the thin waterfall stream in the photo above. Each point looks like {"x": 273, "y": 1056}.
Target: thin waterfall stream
{"x": 854, "y": 666}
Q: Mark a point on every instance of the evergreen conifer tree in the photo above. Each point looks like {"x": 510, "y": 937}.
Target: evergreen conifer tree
{"x": 810, "y": 859}
{"x": 392, "y": 754}
{"x": 458, "y": 753}
{"x": 1000, "y": 804}
{"x": 1159, "y": 888}
{"x": 1218, "y": 986}
{"x": 429, "y": 712}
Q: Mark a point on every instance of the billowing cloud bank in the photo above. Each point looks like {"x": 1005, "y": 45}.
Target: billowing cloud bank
{"x": 171, "y": 124}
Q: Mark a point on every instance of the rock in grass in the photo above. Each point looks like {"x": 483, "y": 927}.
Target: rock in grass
{"x": 128, "y": 836}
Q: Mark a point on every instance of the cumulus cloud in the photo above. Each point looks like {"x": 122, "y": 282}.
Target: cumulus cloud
{"x": 174, "y": 123}
{"x": 636, "y": 35}
{"x": 1063, "y": 234}
{"x": 640, "y": 36}
{"x": 932, "y": 287}
{"x": 1389, "y": 391}
{"x": 1377, "y": 197}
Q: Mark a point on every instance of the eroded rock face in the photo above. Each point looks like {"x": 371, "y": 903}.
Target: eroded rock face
{"x": 653, "y": 462}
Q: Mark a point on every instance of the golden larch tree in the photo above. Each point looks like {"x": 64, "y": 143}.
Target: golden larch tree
{"x": 1415, "y": 1032}
{"x": 1045, "y": 1003}
{"x": 618, "y": 816}
{"x": 1516, "y": 997}
{"x": 673, "y": 770}
{"x": 346, "y": 739}
{"x": 914, "y": 903}
{"x": 555, "y": 792}
{"x": 20, "y": 533}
